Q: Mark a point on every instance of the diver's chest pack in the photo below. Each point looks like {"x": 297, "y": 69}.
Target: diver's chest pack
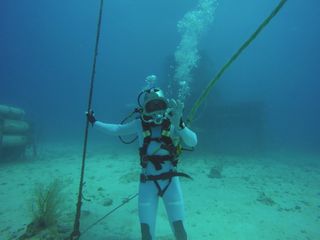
{"x": 166, "y": 143}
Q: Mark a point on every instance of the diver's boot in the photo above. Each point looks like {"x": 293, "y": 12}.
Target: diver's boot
{"x": 179, "y": 231}
{"x": 145, "y": 232}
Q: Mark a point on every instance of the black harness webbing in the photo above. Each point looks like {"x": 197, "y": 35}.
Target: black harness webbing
{"x": 157, "y": 160}
{"x": 166, "y": 143}
{"x": 161, "y": 191}
{"x": 76, "y": 228}
{"x": 164, "y": 176}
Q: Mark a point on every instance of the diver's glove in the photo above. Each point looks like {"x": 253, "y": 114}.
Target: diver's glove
{"x": 90, "y": 117}
{"x": 175, "y": 114}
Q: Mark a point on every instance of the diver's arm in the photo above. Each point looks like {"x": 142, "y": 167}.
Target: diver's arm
{"x": 112, "y": 129}
{"x": 188, "y": 136}
{"x": 116, "y": 129}
{"x": 175, "y": 115}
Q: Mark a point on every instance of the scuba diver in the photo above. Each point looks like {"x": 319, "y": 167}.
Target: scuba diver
{"x": 160, "y": 131}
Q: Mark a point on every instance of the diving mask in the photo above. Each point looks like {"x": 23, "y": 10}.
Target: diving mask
{"x": 155, "y": 106}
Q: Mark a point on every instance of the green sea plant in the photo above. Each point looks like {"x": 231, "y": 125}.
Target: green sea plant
{"x": 46, "y": 206}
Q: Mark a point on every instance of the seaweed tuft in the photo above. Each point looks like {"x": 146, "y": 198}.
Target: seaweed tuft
{"x": 47, "y": 204}
{"x": 46, "y": 207}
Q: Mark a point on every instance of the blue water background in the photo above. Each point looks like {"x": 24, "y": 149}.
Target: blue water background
{"x": 46, "y": 53}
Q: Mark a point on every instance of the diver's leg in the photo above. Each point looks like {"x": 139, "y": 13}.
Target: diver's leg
{"x": 148, "y": 204}
{"x": 145, "y": 232}
{"x": 173, "y": 201}
{"x": 179, "y": 230}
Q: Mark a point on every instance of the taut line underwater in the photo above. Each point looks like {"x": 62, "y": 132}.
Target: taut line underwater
{"x": 234, "y": 57}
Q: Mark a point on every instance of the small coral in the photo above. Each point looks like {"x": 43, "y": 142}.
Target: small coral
{"x": 46, "y": 208}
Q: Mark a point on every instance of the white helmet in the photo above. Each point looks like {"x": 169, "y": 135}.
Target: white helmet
{"x": 155, "y": 105}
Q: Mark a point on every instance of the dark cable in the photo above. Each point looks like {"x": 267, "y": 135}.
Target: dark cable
{"x": 76, "y": 228}
{"x": 125, "y": 201}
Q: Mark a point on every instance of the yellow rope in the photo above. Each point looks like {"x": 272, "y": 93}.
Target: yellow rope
{"x": 231, "y": 60}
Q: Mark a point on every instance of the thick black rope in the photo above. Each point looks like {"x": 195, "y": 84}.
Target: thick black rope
{"x": 76, "y": 228}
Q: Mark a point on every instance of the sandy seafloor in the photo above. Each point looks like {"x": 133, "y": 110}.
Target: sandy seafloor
{"x": 274, "y": 197}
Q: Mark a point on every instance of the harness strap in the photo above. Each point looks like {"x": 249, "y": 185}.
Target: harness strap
{"x": 164, "y": 176}
{"x": 157, "y": 160}
{"x": 166, "y": 143}
{"x": 161, "y": 192}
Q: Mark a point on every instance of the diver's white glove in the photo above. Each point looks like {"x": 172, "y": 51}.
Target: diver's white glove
{"x": 175, "y": 113}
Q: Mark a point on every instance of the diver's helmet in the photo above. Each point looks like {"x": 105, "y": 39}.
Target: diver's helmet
{"x": 155, "y": 106}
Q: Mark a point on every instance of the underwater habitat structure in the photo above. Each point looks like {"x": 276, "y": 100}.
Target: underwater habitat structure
{"x": 15, "y": 133}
